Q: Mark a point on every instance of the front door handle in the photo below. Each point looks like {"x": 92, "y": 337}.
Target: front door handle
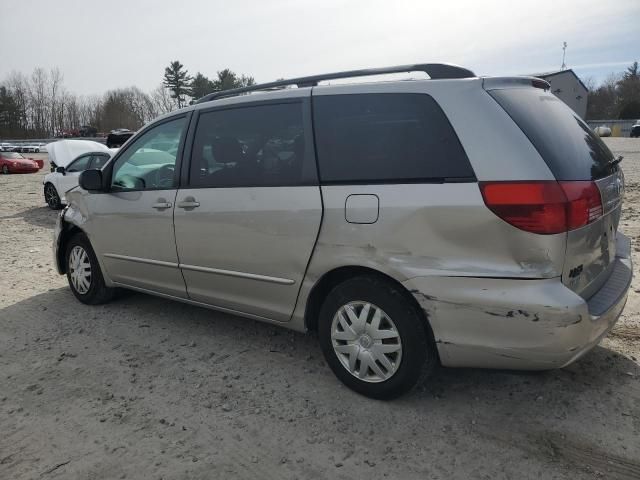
{"x": 161, "y": 204}
{"x": 188, "y": 203}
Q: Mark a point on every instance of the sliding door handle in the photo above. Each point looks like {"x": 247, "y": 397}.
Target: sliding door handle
{"x": 188, "y": 203}
{"x": 161, "y": 204}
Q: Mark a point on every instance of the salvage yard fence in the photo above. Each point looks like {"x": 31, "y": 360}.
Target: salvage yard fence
{"x": 31, "y": 141}
{"x": 619, "y": 128}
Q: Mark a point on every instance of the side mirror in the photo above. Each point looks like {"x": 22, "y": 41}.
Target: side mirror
{"x": 91, "y": 180}
{"x": 60, "y": 170}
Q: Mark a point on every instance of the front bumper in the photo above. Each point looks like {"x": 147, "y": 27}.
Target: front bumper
{"x": 20, "y": 169}
{"x": 57, "y": 237}
{"x": 520, "y": 324}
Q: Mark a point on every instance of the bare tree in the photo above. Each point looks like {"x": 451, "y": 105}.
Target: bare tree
{"x": 55, "y": 85}
{"x": 162, "y": 100}
{"x": 38, "y": 104}
{"x": 18, "y": 85}
{"x": 142, "y": 105}
{"x": 69, "y": 111}
{"x": 38, "y": 100}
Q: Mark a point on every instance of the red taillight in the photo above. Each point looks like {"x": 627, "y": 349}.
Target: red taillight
{"x": 544, "y": 207}
{"x": 584, "y": 204}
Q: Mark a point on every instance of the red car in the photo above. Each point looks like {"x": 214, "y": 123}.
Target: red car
{"x": 13, "y": 162}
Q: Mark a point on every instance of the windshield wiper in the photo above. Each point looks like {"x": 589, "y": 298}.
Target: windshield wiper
{"x": 615, "y": 161}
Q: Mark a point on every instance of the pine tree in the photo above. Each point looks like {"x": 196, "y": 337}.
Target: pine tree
{"x": 201, "y": 86}
{"x": 178, "y": 82}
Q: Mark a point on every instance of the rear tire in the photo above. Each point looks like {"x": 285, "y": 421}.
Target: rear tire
{"x": 51, "y": 197}
{"x": 362, "y": 350}
{"x": 5, "y": 169}
{"x": 83, "y": 272}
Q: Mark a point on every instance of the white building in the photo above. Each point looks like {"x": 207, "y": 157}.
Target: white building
{"x": 568, "y": 87}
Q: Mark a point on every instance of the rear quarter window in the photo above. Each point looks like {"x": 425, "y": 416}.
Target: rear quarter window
{"x": 571, "y": 150}
{"x": 385, "y": 138}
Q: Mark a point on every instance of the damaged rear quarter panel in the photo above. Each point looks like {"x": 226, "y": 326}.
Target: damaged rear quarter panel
{"x": 498, "y": 323}
{"x": 427, "y": 230}
{"x": 432, "y": 230}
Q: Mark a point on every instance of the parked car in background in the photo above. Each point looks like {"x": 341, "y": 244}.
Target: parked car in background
{"x": 602, "y": 131}
{"x": 6, "y": 147}
{"x": 13, "y": 162}
{"x": 118, "y": 137}
{"x": 31, "y": 148}
{"x": 635, "y": 131}
{"x": 468, "y": 221}
{"x": 69, "y": 158}
{"x": 88, "y": 131}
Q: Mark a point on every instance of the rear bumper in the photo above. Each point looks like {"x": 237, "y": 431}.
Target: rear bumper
{"x": 520, "y": 324}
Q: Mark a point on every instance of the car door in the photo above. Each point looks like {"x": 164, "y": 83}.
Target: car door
{"x": 69, "y": 180}
{"x": 247, "y": 221}
{"x": 131, "y": 226}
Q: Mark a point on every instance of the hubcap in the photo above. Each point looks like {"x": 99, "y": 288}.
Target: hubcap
{"x": 80, "y": 270}
{"x": 366, "y": 341}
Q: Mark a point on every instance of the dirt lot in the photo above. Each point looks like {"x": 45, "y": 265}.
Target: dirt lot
{"x": 147, "y": 388}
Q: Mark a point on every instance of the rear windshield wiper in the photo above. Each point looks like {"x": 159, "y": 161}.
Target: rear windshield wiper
{"x": 615, "y": 161}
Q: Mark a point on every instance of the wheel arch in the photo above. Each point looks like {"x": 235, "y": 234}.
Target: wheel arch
{"x": 69, "y": 230}
{"x": 330, "y": 279}
{"x": 49, "y": 182}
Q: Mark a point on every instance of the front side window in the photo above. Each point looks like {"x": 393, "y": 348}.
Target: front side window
{"x": 80, "y": 164}
{"x": 386, "y": 138}
{"x": 249, "y": 146}
{"x": 149, "y": 162}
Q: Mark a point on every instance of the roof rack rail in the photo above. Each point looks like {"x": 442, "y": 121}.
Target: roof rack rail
{"x": 434, "y": 70}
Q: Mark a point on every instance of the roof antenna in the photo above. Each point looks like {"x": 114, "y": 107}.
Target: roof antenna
{"x": 564, "y": 51}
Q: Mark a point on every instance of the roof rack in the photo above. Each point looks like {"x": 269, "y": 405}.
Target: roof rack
{"x": 434, "y": 70}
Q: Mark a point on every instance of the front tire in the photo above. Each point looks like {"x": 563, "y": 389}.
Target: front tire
{"x": 374, "y": 338}
{"x": 51, "y": 197}
{"x": 83, "y": 272}
{"x": 5, "y": 169}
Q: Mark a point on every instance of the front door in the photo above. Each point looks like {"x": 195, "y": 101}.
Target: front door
{"x": 247, "y": 222}
{"x": 131, "y": 227}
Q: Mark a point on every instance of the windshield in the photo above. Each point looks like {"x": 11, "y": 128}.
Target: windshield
{"x": 570, "y": 148}
{"x": 12, "y": 155}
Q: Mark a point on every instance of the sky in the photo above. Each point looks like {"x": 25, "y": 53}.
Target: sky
{"x": 104, "y": 45}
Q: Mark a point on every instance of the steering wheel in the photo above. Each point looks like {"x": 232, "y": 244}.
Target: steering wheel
{"x": 164, "y": 176}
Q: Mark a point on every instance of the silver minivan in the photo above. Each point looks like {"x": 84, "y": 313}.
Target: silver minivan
{"x": 454, "y": 220}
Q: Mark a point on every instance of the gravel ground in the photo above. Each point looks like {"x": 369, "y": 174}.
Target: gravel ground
{"x": 147, "y": 388}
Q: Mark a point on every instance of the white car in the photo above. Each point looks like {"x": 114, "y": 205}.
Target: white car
{"x": 35, "y": 147}
{"x": 69, "y": 158}
{"x": 602, "y": 131}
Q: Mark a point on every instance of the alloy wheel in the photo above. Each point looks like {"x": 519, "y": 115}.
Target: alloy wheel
{"x": 51, "y": 195}
{"x": 366, "y": 341}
